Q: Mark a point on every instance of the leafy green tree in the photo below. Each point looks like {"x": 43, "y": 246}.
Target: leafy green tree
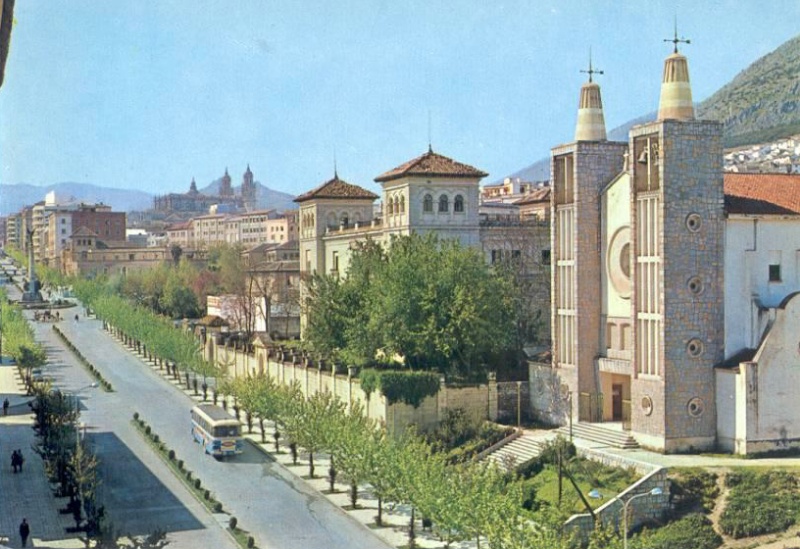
{"x": 433, "y": 303}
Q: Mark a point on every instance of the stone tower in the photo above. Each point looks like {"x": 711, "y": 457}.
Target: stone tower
{"x": 579, "y": 172}
{"x": 225, "y": 188}
{"x": 677, "y": 202}
{"x": 249, "y": 190}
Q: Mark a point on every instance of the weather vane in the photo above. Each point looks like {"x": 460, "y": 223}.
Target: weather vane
{"x": 591, "y": 70}
{"x": 675, "y": 40}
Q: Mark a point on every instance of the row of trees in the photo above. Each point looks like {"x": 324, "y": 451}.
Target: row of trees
{"x": 16, "y": 337}
{"x": 154, "y": 334}
{"x": 432, "y": 303}
{"x": 464, "y": 501}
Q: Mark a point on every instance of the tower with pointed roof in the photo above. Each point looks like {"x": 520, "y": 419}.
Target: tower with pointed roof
{"x": 225, "y": 188}
{"x": 579, "y": 173}
{"x": 637, "y": 251}
{"x": 249, "y": 190}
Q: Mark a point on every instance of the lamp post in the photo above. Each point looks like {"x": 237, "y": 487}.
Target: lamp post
{"x": 657, "y": 491}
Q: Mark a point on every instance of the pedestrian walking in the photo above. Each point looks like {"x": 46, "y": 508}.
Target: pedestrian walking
{"x": 24, "y": 532}
{"x": 5, "y": 407}
{"x": 20, "y": 459}
{"x": 14, "y": 461}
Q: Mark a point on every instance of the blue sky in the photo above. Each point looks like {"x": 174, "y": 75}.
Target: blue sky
{"x": 148, "y": 94}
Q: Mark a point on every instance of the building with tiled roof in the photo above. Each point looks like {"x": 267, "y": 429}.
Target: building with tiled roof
{"x": 429, "y": 194}
{"x": 337, "y": 189}
{"x": 431, "y": 164}
{"x": 762, "y": 194}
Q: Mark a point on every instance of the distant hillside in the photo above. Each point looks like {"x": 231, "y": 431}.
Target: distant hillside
{"x": 14, "y": 197}
{"x": 761, "y": 104}
{"x": 265, "y": 197}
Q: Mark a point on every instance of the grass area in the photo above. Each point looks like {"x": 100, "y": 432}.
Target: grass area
{"x": 588, "y": 475}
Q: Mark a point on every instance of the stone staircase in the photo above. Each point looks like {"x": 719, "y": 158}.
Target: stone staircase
{"x": 516, "y": 452}
{"x": 599, "y": 433}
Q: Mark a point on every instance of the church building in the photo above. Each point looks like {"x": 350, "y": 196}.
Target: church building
{"x": 661, "y": 298}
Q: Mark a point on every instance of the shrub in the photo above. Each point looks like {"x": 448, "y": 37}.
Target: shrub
{"x": 180, "y": 465}
{"x": 251, "y": 542}
{"x": 171, "y": 455}
{"x": 188, "y": 475}
{"x": 691, "y": 532}
{"x": 147, "y": 430}
{"x": 232, "y": 523}
{"x": 694, "y": 487}
{"x": 156, "y": 438}
{"x": 136, "y": 416}
{"x": 197, "y": 483}
{"x": 410, "y": 387}
{"x": 207, "y": 495}
{"x": 760, "y": 502}
{"x": 217, "y": 507}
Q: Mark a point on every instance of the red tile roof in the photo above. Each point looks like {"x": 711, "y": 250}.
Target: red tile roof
{"x": 762, "y": 193}
{"x": 431, "y": 164}
{"x": 337, "y": 188}
{"x": 535, "y": 197}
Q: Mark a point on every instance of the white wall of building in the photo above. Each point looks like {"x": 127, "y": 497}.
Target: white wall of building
{"x": 752, "y": 244}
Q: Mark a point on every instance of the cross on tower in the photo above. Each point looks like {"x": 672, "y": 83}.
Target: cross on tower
{"x": 675, "y": 40}
{"x": 591, "y": 70}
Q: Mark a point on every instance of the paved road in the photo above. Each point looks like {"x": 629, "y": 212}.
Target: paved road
{"x": 279, "y": 509}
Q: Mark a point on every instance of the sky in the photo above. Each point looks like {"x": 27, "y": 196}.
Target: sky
{"x": 146, "y": 94}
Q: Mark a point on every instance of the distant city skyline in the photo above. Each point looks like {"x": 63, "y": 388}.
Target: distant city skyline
{"x": 148, "y": 95}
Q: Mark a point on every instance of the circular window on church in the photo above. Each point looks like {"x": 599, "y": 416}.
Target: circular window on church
{"x": 694, "y": 348}
{"x": 618, "y": 262}
{"x": 695, "y": 407}
{"x": 695, "y": 285}
{"x": 694, "y": 222}
{"x": 647, "y": 405}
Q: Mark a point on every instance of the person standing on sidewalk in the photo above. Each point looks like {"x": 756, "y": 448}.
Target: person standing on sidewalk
{"x": 24, "y": 532}
{"x": 5, "y": 407}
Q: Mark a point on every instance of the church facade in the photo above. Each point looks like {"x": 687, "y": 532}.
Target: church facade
{"x": 648, "y": 295}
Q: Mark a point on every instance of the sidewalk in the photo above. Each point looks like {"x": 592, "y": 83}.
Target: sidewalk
{"x": 26, "y": 494}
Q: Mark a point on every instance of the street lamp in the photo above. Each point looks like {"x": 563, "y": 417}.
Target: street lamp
{"x": 595, "y": 494}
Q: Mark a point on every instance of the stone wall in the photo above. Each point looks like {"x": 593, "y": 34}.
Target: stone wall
{"x": 479, "y": 401}
{"x": 513, "y": 400}
{"x": 644, "y": 509}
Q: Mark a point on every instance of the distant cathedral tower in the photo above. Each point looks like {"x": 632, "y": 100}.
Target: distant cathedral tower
{"x": 248, "y": 190}
{"x": 225, "y": 188}
{"x": 193, "y": 187}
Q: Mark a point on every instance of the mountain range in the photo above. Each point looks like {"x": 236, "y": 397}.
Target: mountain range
{"x": 14, "y": 197}
{"x": 761, "y": 104}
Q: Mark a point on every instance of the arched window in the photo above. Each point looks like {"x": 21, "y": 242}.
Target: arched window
{"x": 344, "y": 219}
{"x": 396, "y": 207}
{"x": 443, "y": 204}
{"x": 427, "y": 203}
{"x": 458, "y": 203}
{"x": 402, "y": 204}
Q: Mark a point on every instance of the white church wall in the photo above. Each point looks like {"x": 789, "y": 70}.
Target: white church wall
{"x": 766, "y": 396}
{"x": 616, "y": 218}
{"x": 726, "y": 408}
{"x": 752, "y": 244}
